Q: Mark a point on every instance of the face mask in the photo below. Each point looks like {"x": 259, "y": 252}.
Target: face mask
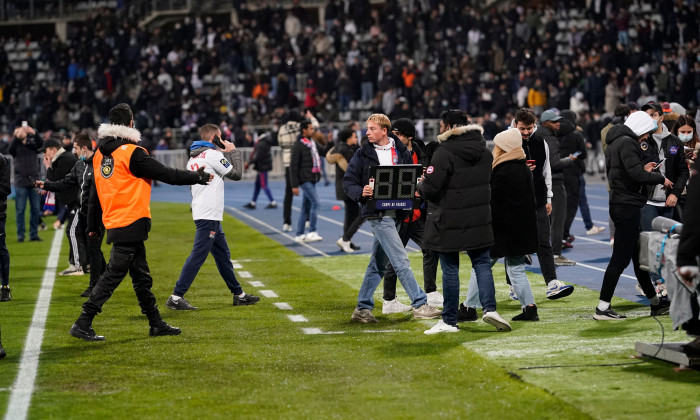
{"x": 685, "y": 138}
{"x": 656, "y": 125}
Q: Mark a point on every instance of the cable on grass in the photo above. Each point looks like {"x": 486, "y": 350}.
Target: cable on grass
{"x": 648, "y": 359}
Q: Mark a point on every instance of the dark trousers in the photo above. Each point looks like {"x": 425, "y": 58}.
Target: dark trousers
{"x": 353, "y": 218}
{"x": 75, "y": 232}
{"x": 209, "y": 238}
{"x": 287, "y": 205}
{"x": 573, "y": 189}
{"x": 415, "y": 231}
{"x": 4, "y": 255}
{"x": 558, "y": 216}
{"x": 125, "y": 258}
{"x": 626, "y": 248}
{"x": 94, "y": 255}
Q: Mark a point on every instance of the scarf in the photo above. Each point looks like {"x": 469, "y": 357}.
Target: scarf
{"x": 500, "y": 156}
{"x": 314, "y": 155}
{"x": 201, "y": 143}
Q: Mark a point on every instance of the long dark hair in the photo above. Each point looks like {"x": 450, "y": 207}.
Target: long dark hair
{"x": 690, "y": 121}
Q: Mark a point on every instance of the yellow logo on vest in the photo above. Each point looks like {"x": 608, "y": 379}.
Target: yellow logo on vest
{"x": 107, "y": 167}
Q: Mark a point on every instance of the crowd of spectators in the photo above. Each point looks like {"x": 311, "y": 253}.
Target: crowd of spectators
{"x": 405, "y": 58}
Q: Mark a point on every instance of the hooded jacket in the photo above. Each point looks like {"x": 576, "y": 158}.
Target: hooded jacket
{"x": 556, "y": 162}
{"x": 625, "y": 168}
{"x": 80, "y": 176}
{"x": 675, "y": 166}
{"x": 261, "y": 158}
{"x": 61, "y": 166}
{"x": 141, "y": 165}
{"x": 571, "y": 141}
{"x": 456, "y": 187}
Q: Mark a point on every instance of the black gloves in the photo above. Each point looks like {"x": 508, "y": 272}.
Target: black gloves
{"x": 203, "y": 176}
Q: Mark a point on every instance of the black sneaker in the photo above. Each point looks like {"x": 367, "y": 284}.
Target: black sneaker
{"x": 37, "y": 239}
{"x": 607, "y": 315}
{"x": 355, "y": 247}
{"x": 250, "y": 206}
{"x": 163, "y": 329}
{"x": 662, "y": 308}
{"x": 248, "y": 299}
{"x": 466, "y": 314}
{"x": 5, "y": 295}
{"x": 272, "y": 205}
{"x": 179, "y": 305}
{"x": 85, "y": 333}
{"x": 529, "y": 314}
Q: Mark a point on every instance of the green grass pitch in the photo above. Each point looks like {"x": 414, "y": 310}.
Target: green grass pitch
{"x": 254, "y": 362}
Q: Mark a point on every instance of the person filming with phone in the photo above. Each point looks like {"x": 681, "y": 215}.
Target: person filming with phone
{"x": 24, "y": 150}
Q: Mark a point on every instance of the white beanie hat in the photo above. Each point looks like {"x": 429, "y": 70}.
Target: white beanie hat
{"x": 509, "y": 139}
{"x": 640, "y": 123}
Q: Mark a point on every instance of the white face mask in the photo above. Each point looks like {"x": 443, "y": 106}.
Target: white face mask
{"x": 685, "y": 138}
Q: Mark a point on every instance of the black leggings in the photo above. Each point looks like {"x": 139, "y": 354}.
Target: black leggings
{"x": 626, "y": 248}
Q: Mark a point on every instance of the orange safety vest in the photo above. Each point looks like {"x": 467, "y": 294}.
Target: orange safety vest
{"x": 124, "y": 197}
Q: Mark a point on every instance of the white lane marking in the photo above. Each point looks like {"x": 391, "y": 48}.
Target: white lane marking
{"x": 599, "y": 208}
{"x": 297, "y": 318}
{"x": 256, "y": 284}
{"x": 236, "y": 265}
{"x": 268, "y": 293}
{"x": 317, "y": 331}
{"x": 600, "y": 269}
{"x": 380, "y": 331}
{"x": 267, "y": 226}
{"x": 245, "y": 274}
{"x": 23, "y": 387}
{"x": 283, "y": 306}
{"x": 597, "y": 241}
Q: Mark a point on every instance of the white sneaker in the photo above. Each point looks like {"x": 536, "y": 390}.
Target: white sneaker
{"x": 595, "y": 230}
{"x": 441, "y": 327}
{"x": 493, "y": 318}
{"x": 395, "y": 307}
{"x": 286, "y": 227}
{"x": 556, "y": 290}
{"x": 638, "y": 288}
{"x": 612, "y": 242}
{"x": 69, "y": 271}
{"x": 300, "y": 238}
{"x": 435, "y": 299}
{"x": 344, "y": 245}
{"x": 312, "y": 237}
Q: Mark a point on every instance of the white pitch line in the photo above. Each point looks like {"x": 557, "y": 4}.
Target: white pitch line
{"x": 245, "y": 274}
{"x": 600, "y": 269}
{"x": 364, "y": 232}
{"x": 23, "y": 387}
{"x": 318, "y": 331}
{"x": 283, "y": 306}
{"x": 297, "y": 318}
{"x": 599, "y": 208}
{"x": 236, "y": 265}
{"x": 268, "y": 293}
{"x": 380, "y": 331}
{"x": 256, "y": 284}
{"x": 267, "y": 226}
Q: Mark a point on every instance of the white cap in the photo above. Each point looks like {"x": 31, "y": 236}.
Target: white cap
{"x": 640, "y": 123}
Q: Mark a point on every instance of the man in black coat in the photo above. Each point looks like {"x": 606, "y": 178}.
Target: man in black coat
{"x": 382, "y": 150}
{"x": 628, "y": 177}
{"x": 59, "y": 163}
{"x": 457, "y": 189}
{"x": 304, "y": 173}
{"x": 571, "y": 142}
{"x": 261, "y": 160}
{"x": 340, "y": 155}
{"x": 5, "y": 189}
{"x": 23, "y": 149}
{"x": 537, "y": 154}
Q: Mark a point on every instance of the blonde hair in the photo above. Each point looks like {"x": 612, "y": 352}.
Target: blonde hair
{"x": 380, "y": 119}
{"x": 207, "y": 130}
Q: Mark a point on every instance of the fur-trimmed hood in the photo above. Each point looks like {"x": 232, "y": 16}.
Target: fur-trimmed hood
{"x": 460, "y": 130}
{"x": 112, "y": 130}
{"x": 465, "y": 141}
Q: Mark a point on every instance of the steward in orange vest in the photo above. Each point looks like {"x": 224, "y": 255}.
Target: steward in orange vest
{"x": 121, "y": 194}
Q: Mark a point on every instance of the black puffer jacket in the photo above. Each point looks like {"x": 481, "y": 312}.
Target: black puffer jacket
{"x": 5, "y": 186}
{"x": 556, "y": 163}
{"x": 25, "y": 161}
{"x": 81, "y": 176}
{"x": 457, "y": 189}
{"x": 61, "y": 166}
{"x": 341, "y": 151}
{"x": 513, "y": 207}
{"x": 571, "y": 141}
{"x": 676, "y": 165}
{"x": 302, "y": 164}
{"x": 261, "y": 158}
{"x": 625, "y": 169}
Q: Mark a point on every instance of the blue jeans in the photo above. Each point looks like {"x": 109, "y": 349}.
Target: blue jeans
{"x": 387, "y": 246}
{"x": 515, "y": 267}
{"x": 209, "y": 237}
{"x": 24, "y": 194}
{"x": 309, "y": 207}
{"x": 449, "y": 261}
{"x": 367, "y": 92}
{"x": 649, "y": 212}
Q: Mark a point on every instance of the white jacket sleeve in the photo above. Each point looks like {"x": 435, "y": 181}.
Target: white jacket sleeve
{"x": 547, "y": 173}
